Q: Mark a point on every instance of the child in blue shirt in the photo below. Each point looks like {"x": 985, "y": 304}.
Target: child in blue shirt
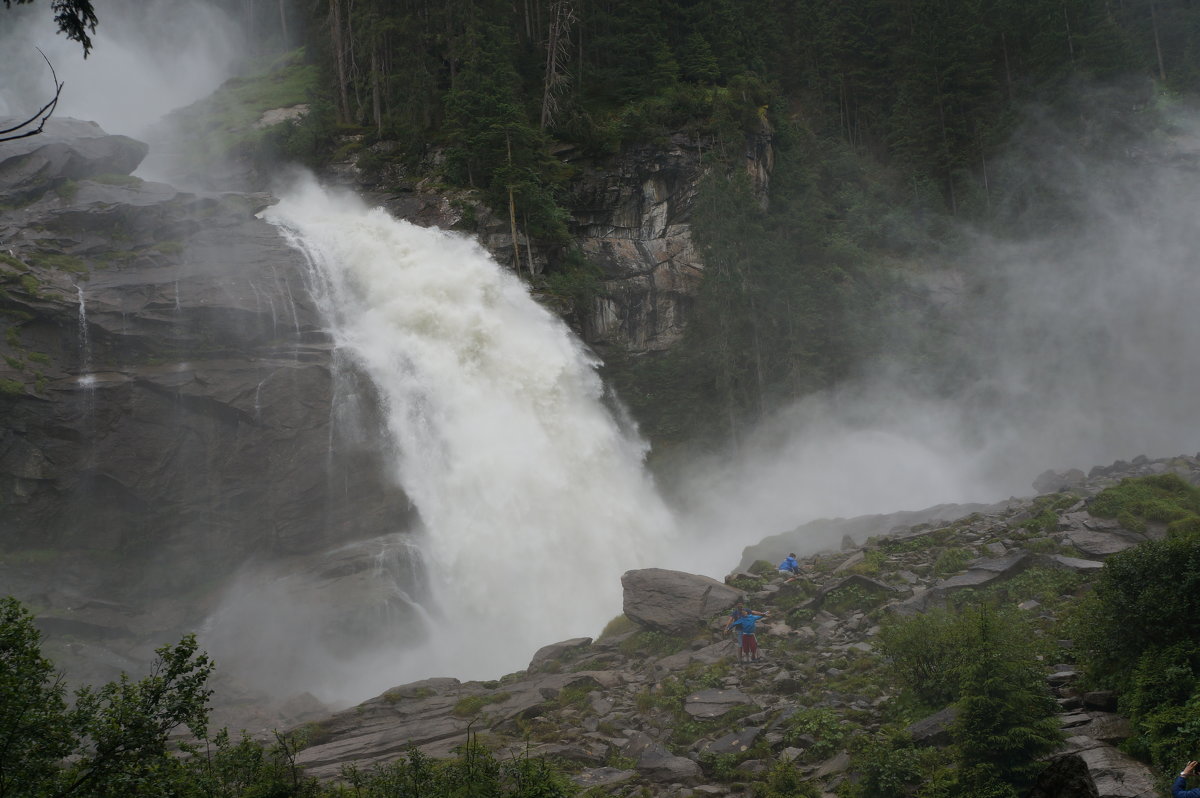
{"x": 749, "y": 649}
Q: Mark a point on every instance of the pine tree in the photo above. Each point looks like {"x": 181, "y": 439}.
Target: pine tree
{"x": 1006, "y": 718}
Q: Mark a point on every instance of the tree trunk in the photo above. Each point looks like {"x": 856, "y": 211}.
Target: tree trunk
{"x": 337, "y": 40}
{"x": 377, "y": 90}
{"x": 512, "y": 213}
{"x": 283, "y": 26}
{"x": 1162, "y": 72}
{"x": 1070, "y": 39}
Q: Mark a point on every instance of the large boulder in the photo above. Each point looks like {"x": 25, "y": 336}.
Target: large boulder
{"x": 67, "y": 149}
{"x": 1065, "y": 777}
{"x": 674, "y": 601}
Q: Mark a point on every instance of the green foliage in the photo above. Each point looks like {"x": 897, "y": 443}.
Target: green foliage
{"x": 12, "y": 262}
{"x": 871, "y": 565}
{"x": 1006, "y": 717}
{"x": 473, "y": 773}
{"x": 1140, "y": 601}
{"x": 575, "y": 279}
{"x": 951, "y": 561}
{"x": 35, "y": 728}
{"x": 113, "y": 740}
{"x": 60, "y": 261}
{"x": 852, "y": 598}
{"x": 928, "y": 651}
{"x": 825, "y": 726}
{"x": 784, "y": 781}
{"x": 1163, "y": 498}
{"x": 472, "y": 704}
{"x": 11, "y": 388}
{"x": 1128, "y": 634}
{"x": 891, "y": 766}
{"x": 619, "y": 625}
{"x": 650, "y": 643}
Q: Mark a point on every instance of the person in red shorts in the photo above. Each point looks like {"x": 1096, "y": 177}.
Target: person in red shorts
{"x": 749, "y": 641}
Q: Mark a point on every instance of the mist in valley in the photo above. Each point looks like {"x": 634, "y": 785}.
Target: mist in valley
{"x": 1066, "y": 339}
{"x": 148, "y": 58}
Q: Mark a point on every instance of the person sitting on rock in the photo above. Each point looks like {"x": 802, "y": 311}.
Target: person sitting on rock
{"x": 790, "y": 566}
{"x": 749, "y": 649}
{"x": 738, "y": 612}
{"x": 1179, "y": 788}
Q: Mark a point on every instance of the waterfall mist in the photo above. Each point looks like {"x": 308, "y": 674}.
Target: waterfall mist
{"x": 532, "y": 498}
{"x": 1067, "y": 341}
{"x": 148, "y": 57}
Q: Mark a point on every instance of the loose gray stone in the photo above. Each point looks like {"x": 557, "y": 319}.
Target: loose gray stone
{"x": 714, "y": 703}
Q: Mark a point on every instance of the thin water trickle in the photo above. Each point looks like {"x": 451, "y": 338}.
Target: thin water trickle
{"x": 533, "y": 498}
{"x": 85, "y": 346}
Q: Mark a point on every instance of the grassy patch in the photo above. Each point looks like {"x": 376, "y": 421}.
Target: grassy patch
{"x": 11, "y": 388}
{"x": 9, "y": 260}
{"x": 618, "y": 626}
{"x": 59, "y": 261}
{"x": 472, "y": 704}
{"x": 652, "y": 644}
{"x": 1163, "y": 498}
{"x": 113, "y": 179}
{"x": 951, "y": 561}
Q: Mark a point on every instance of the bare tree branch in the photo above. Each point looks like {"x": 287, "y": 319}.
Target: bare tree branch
{"x": 44, "y": 112}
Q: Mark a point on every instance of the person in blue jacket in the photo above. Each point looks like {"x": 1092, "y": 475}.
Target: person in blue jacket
{"x": 790, "y": 566}
{"x": 737, "y": 612}
{"x": 1179, "y": 788}
{"x": 749, "y": 651}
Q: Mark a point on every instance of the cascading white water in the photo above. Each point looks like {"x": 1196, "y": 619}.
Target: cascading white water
{"x": 533, "y": 498}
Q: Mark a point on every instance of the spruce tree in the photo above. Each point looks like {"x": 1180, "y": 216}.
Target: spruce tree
{"x": 1006, "y": 718}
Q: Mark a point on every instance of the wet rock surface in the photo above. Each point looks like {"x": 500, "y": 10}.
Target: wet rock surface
{"x": 167, "y": 397}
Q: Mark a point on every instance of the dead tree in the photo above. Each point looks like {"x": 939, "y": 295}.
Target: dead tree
{"x": 23, "y": 129}
{"x": 558, "y": 42}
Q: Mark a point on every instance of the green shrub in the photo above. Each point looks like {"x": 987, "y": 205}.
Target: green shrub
{"x": 650, "y": 643}
{"x": 1162, "y": 498}
{"x": 891, "y": 766}
{"x": 951, "y": 561}
{"x": 825, "y": 726}
{"x": 9, "y": 260}
{"x": 619, "y": 625}
{"x": 1007, "y": 720}
{"x": 785, "y": 781}
{"x": 60, "y": 261}
{"x": 11, "y": 388}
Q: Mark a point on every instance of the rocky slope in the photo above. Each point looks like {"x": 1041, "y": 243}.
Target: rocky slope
{"x": 659, "y": 706}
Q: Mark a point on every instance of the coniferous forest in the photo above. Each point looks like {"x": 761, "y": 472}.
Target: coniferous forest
{"x": 891, "y": 123}
{"x": 887, "y": 120}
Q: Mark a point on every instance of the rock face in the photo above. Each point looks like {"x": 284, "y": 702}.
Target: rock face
{"x": 630, "y": 215}
{"x": 674, "y": 601}
{"x": 67, "y": 149}
{"x": 167, "y": 393}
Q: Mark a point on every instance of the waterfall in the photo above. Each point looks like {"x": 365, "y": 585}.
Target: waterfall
{"x": 532, "y": 497}
{"x": 85, "y": 346}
